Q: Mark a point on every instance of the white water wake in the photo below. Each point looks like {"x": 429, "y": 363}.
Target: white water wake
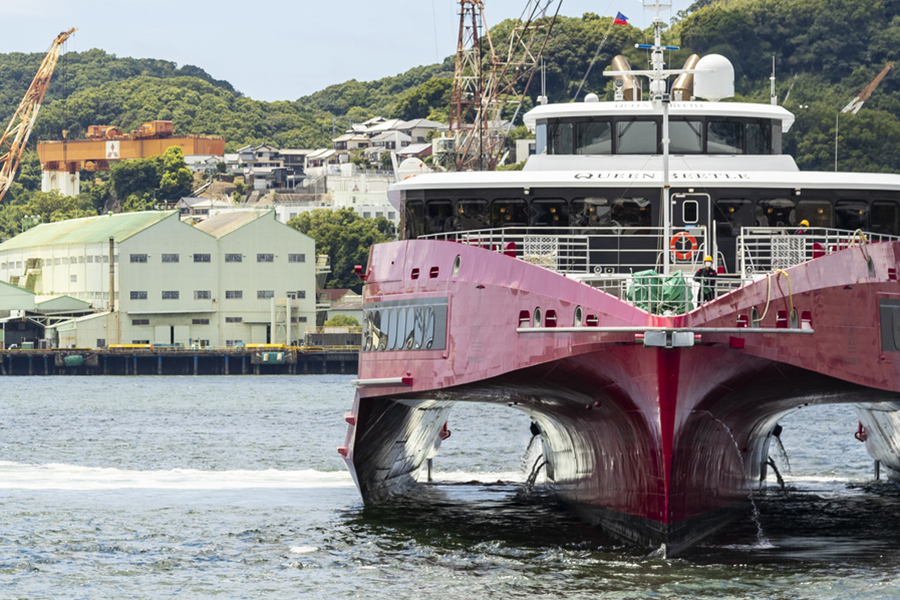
{"x": 55, "y": 476}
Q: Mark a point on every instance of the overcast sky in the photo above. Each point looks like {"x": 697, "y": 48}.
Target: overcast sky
{"x": 276, "y": 49}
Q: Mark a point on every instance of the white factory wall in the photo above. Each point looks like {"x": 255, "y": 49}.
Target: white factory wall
{"x": 82, "y": 271}
{"x": 157, "y": 299}
{"x": 284, "y": 277}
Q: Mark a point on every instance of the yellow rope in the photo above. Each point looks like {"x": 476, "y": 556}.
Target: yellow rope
{"x": 863, "y": 240}
{"x": 769, "y": 293}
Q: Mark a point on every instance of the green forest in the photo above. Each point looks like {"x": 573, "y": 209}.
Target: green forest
{"x": 826, "y": 51}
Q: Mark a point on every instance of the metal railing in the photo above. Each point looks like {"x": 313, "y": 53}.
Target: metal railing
{"x": 590, "y": 250}
{"x": 767, "y": 249}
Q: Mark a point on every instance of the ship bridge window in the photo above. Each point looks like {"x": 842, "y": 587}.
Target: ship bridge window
{"x": 472, "y": 214}
{"x": 549, "y": 212}
{"x": 686, "y": 137}
{"x": 777, "y": 212}
{"x": 593, "y": 137}
{"x": 725, "y": 137}
{"x": 438, "y": 216}
{"x": 732, "y": 214}
{"x": 636, "y": 137}
{"x": 819, "y": 213}
{"x": 759, "y": 138}
{"x": 885, "y": 217}
{"x": 559, "y": 137}
{"x": 591, "y": 212}
{"x": 412, "y": 214}
{"x": 509, "y": 213}
{"x": 540, "y": 139}
{"x": 851, "y": 215}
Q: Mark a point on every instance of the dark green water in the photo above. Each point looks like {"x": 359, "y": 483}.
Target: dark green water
{"x": 231, "y": 487}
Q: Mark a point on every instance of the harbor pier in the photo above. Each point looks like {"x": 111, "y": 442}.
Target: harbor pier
{"x": 180, "y": 361}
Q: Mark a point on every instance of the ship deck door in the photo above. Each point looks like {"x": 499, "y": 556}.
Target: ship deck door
{"x": 690, "y": 211}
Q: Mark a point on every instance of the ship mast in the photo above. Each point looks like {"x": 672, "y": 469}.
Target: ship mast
{"x": 659, "y": 96}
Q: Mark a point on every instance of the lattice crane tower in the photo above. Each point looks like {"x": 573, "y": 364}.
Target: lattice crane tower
{"x": 486, "y": 91}
{"x": 12, "y": 144}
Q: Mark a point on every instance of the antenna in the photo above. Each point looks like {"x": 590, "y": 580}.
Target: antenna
{"x": 542, "y": 99}
{"x": 658, "y": 77}
{"x": 772, "y": 98}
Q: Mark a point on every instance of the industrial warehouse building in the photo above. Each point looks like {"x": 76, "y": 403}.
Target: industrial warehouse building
{"x": 237, "y": 278}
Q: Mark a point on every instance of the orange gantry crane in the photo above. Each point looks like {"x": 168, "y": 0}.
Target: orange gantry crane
{"x": 12, "y": 144}
{"x": 62, "y": 161}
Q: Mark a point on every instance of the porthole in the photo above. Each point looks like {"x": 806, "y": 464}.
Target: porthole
{"x": 806, "y": 319}
{"x": 579, "y": 318}
{"x": 537, "y": 317}
{"x": 456, "y": 264}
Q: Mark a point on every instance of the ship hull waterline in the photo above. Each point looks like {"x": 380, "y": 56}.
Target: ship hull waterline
{"x": 657, "y": 445}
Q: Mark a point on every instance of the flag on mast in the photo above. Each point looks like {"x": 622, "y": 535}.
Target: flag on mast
{"x": 620, "y": 19}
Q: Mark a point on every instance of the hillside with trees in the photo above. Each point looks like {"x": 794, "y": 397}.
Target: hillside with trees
{"x": 826, "y": 51}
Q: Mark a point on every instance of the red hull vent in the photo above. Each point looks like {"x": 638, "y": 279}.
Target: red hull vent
{"x": 781, "y": 320}
{"x": 550, "y": 319}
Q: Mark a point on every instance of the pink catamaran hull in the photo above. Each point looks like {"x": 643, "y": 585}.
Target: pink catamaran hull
{"x": 659, "y": 445}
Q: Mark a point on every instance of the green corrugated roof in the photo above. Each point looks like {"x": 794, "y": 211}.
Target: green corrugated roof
{"x": 17, "y": 288}
{"x": 88, "y": 230}
{"x": 224, "y": 223}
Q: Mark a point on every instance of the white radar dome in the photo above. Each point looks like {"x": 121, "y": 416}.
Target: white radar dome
{"x": 410, "y": 167}
{"x": 714, "y": 79}
{"x": 592, "y": 98}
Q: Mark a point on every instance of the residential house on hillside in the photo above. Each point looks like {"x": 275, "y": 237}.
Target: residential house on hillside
{"x": 419, "y": 129}
{"x": 319, "y": 158}
{"x": 202, "y": 162}
{"x": 232, "y": 163}
{"x": 416, "y": 150}
{"x": 378, "y": 135}
{"x": 351, "y": 141}
{"x": 268, "y": 167}
{"x": 391, "y": 140}
{"x": 264, "y": 155}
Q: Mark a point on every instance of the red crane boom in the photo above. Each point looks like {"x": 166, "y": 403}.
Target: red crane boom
{"x": 12, "y": 144}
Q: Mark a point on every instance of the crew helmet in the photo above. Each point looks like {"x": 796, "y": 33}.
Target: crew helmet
{"x": 804, "y": 223}
{"x": 707, "y": 259}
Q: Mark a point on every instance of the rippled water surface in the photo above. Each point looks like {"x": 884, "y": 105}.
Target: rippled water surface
{"x": 193, "y": 487}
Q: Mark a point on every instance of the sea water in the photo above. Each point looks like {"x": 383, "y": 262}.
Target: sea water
{"x": 231, "y": 487}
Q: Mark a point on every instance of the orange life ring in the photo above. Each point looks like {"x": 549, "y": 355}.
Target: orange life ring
{"x": 673, "y": 245}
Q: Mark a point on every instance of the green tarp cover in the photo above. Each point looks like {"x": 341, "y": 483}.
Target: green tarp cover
{"x": 658, "y": 294}
{"x": 73, "y": 360}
